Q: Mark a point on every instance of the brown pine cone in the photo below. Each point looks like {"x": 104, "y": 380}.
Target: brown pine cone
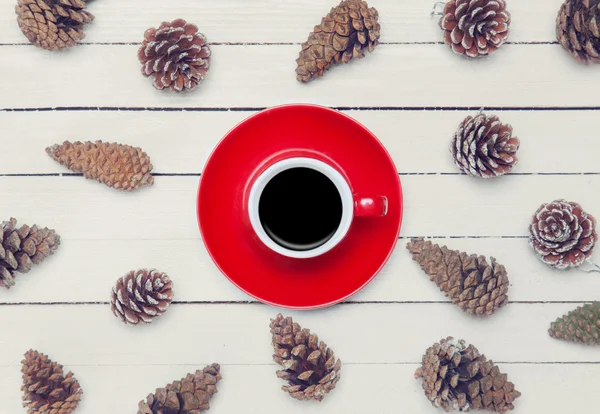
{"x": 176, "y": 55}
{"x": 190, "y": 395}
{"x": 22, "y": 247}
{"x": 348, "y": 31}
{"x": 475, "y": 28}
{"x": 581, "y": 325}
{"x": 456, "y": 377}
{"x": 141, "y": 295}
{"x": 484, "y": 147}
{"x": 53, "y": 24}
{"x": 309, "y": 366}
{"x": 578, "y": 29}
{"x": 46, "y": 389}
{"x": 562, "y": 234}
{"x": 471, "y": 282}
{"x": 119, "y": 166}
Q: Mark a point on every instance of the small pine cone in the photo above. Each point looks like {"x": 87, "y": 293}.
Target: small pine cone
{"x": 22, "y": 247}
{"x": 578, "y": 29}
{"x": 141, "y": 295}
{"x": 563, "y": 234}
{"x": 471, "y": 282}
{"x": 484, "y": 147}
{"x": 456, "y": 377}
{"x": 581, "y": 325}
{"x": 46, "y": 389}
{"x": 348, "y": 31}
{"x": 53, "y": 24}
{"x": 309, "y": 366}
{"x": 475, "y": 28}
{"x": 190, "y": 395}
{"x": 176, "y": 55}
{"x": 119, "y": 166}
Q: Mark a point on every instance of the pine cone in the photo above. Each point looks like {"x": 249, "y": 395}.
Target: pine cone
{"x": 119, "y": 166}
{"x": 581, "y": 325}
{"x": 309, "y": 366}
{"x": 578, "y": 29}
{"x": 46, "y": 389}
{"x": 53, "y": 24}
{"x": 475, "y": 28}
{"x": 21, "y": 248}
{"x": 456, "y": 377}
{"x": 175, "y": 55}
{"x": 141, "y": 295}
{"x": 484, "y": 147}
{"x": 562, "y": 234}
{"x": 471, "y": 282}
{"x": 346, "y": 32}
{"x": 190, "y": 395}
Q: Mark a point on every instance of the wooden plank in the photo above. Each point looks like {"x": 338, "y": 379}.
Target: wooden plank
{"x": 417, "y": 140}
{"x": 259, "y": 76}
{"x": 281, "y": 20}
{"x": 381, "y": 389}
{"x": 239, "y": 334}
{"x": 434, "y": 205}
{"x": 197, "y": 279}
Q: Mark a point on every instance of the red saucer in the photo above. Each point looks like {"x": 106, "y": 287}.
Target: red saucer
{"x": 235, "y": 248}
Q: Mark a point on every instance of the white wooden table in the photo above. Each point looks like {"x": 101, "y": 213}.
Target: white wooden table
{"x": 412, "y": 93}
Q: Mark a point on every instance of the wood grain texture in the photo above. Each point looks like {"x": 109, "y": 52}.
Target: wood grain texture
{"x": 259, "y": 76}
{"x": 412, "y": 92}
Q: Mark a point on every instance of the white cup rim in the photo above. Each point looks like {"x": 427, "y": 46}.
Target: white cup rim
{"x": 298, "y": 162}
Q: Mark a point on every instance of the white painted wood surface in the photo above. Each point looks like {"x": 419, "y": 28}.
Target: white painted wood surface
{"x": 412, "y": 93}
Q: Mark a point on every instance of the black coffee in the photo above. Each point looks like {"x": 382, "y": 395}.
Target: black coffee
{"x": 300, "y": 209}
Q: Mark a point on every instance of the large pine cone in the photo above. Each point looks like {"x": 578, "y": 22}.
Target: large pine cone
{"x": 475, "y": 28}
{"x": 581, "y": 325}
{"x": 46, "y": 389}
{"x": 119, "y": 166}
{"x": 456, "y": 377}
{"x": 346, "y": 32}
{"x": 53, "y": 24}
{"x": 176, "y": 55}
{"x": 578, "y": 29}
{"x": 190, "y": 395}
{"x": 309, "y": 366}
{"x": 141, "y": 295}
{"x": 22, "y": 247}
{"x": 484, "y": 147}
{"x": 472, "y": 283}
{"x": 562, "y": 234}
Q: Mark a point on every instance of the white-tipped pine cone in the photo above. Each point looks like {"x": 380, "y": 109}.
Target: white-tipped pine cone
{"x": 141, "y": 295}
{"x": 484, "y": 147}
{"x": 175, "y": 55}
{"x": 562, "y": 234}
{"x": 475, "y": 28}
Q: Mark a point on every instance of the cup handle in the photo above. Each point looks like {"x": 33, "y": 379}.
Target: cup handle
{"x": 376, "y": 206}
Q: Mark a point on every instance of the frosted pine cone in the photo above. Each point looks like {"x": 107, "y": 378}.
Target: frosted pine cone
{"x": 176, "y": 55}
{"x": 190, "y": 395}
{"x": 22, "y": 247}
{"x": 141, "y": 295}
{"x": 578, "y": 29}
{"x": 119, "y": 166}
{"x": 562, "y": 234}
{"x": 475, "y": 28}
{"x": 484, "y": 147}
{"x": 456, "y": 377}
{"x": 45, "y": 387}
{"x": 53, "y": 24}
{"x": 347, "y": 32}
{"x": 309, "y": 366}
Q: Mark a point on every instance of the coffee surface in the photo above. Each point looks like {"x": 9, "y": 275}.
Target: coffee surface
{"x": 300, "y": 209}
